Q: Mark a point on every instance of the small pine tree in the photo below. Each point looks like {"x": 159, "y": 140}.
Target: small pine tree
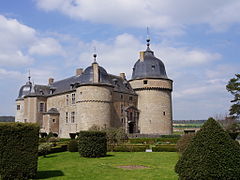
{"x": 212, "y": 154}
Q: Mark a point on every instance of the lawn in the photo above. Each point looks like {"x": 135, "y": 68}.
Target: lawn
{"x": 66, "y": 165}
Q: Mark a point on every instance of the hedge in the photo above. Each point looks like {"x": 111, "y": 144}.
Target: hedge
{"x": 92, "y": 144}
{"x": 56, "y": 149}
{"x": 170, "y": 140}
{"x": 18, "y": 150}
{"x": 211, "y": 154}
{"x": 165, "y": 148}
{"x": 130, "y": 148}
{"x": 73, "y": 146}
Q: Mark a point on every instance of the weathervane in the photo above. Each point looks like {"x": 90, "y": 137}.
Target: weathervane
{"x": 95, "y": 54}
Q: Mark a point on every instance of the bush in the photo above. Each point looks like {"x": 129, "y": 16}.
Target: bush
{"x": 130, "y": 148}
{"x": 53, "y": 140}
{"x": 44, "y": 149}
{"x": 164, "y": 148}
{"x": 92, "y": 143}
{"x": 19, "y": 150}
{"x": 184, "y": 141}
{"x": 73, "y": 146}
{"x": 212, "y": 154}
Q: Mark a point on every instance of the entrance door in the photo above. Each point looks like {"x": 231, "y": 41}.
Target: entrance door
{"x": 131, "y": 127}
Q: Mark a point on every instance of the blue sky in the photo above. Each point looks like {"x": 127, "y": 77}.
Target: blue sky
{"x": 198, "y": 41}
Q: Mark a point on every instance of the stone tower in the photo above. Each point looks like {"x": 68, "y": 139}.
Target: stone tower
{"x": 94, "y": 98}
{"x": 150, "y": 82}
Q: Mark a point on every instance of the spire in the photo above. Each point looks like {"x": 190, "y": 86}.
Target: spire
{"x": 148, "y": 38}
{"x": 29, "y": 76}
{"x": 94, "y": 55}
{"x": 148, "y": 42}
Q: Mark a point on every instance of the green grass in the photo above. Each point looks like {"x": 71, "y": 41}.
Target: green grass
{"x": 70, "y": 166}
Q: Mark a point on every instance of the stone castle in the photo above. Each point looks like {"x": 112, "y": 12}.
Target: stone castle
{"x": 92, "y": 97}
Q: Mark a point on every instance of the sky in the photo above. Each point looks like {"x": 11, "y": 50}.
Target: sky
{"x": 198, "y": 41}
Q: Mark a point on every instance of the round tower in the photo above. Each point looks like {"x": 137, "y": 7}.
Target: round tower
{"x": 94, "y": 98}
{"x": 150, "y": 82}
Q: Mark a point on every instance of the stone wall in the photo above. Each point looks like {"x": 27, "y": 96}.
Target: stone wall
{"x": 155, "y": 105}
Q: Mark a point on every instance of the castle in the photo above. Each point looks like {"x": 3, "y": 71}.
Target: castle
{"x": 91, "y": 97}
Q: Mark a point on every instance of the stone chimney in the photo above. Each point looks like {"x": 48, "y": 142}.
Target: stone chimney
{"x": 79, "y": 71}
{"x": 141, "y": 56}
{"x": 50, "y": 81}
{"x": 95, "y": 73}
{"x": 122, "y": 75}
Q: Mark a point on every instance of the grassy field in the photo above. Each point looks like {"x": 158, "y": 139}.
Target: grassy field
{"x": 66, "y": 165}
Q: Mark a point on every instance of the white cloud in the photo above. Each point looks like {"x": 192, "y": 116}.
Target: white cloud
{"x": 14, "y": 58}
{"x": 46, "y": 47}
{"x": 9, "y": 74}
{"x": 171, "y": 15}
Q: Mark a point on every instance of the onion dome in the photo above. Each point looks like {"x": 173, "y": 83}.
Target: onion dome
{"x": 148, "y": 66}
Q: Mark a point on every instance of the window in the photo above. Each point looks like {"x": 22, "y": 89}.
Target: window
{"x": 66, "y": 117}
{"x": 121, "y": 96}
{"x": 67, "y": 99}
{"x": 72, "y": 117}
{"x": 41, "y": 107}
{"x": 130, "y": 98}
{"x": 73, "y": 98}
{"x": 121, "y": 108}
{"x": 153, "y": 67}
{"x": 25, "y": 120}
{"x": 53, "y": 120}
{"x": 145, "y": 82}
{"x": 164, "y": 113}
{"x": 18, "y": 107}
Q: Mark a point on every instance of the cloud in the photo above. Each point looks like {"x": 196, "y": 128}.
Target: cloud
{"x": 171, "y": 15}
{"x": 46, "y": 47}
{"x": 9, "y": 74}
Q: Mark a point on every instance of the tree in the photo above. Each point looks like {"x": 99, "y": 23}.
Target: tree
{"x": 211, "y": 154}
{"x": 233, "y": 87}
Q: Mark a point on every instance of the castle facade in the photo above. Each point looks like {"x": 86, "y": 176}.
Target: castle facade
{"x": 92, "y": 97}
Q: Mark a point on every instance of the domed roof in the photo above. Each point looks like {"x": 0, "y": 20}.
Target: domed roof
{"x": 149, "y": 67}
{"x": 25, "y": 90}
{"x": 87, "y": 76}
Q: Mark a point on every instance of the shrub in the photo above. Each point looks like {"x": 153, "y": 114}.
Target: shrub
{"x": 44, "y": 149}
{"x": 73, "y": 146}
{"x": 53, "y": 140}
{"x": 19, "y": 150}
{"x": 130, "y": 148}
{"x": 92, "y": 143}
{"x": 184, "y": 141}
{"x": 164, "y": 148}
{"x": 212, "y": 154}
{"x": 72, "y": 135}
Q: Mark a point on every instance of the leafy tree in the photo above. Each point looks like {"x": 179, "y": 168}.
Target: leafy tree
{"x": 211, "y": 154}
{"x": 233, "y": 87}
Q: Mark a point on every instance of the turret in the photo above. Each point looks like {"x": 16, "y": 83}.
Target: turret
{"x": 94, "y": 97}
{"x": 150, "y": 82}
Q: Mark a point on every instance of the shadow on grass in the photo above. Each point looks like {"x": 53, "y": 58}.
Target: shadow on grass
{"x": 49, "y": 174}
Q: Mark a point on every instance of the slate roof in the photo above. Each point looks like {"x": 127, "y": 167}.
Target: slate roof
{"x": 69, "y": 84}
{"x": 150, "y": 67}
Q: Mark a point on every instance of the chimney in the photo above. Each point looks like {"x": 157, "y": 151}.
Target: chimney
{"x": 122, "y": 75}
{"x": 50, "y": 81}
{"x": 141, "y": 56}
{"x": 95, "y": 73}
{"x": 79, "y": 71}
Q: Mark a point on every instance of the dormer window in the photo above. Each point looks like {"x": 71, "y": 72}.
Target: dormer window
{"x": 41, "y": 92}
{"x": 145, "y": 81}
{"x": 153, "y": 67}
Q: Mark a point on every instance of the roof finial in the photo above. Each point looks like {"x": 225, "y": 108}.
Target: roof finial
{"x": 94, "y": 54}
{"x": 29, "y": 76}
{"x": 148, "y": 37}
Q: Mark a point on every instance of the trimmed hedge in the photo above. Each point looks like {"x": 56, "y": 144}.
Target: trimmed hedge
{"x": 18, "y": 150}
{"x": 165, "y": 148}
{"x": 130, "y": 148}
{"x": 56, "y": 149}
{"x": 211, "y": 154}
{"x": 73, "y": 146}
{"x": 170, "y": 140}
{"x": 92, "y": 144}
